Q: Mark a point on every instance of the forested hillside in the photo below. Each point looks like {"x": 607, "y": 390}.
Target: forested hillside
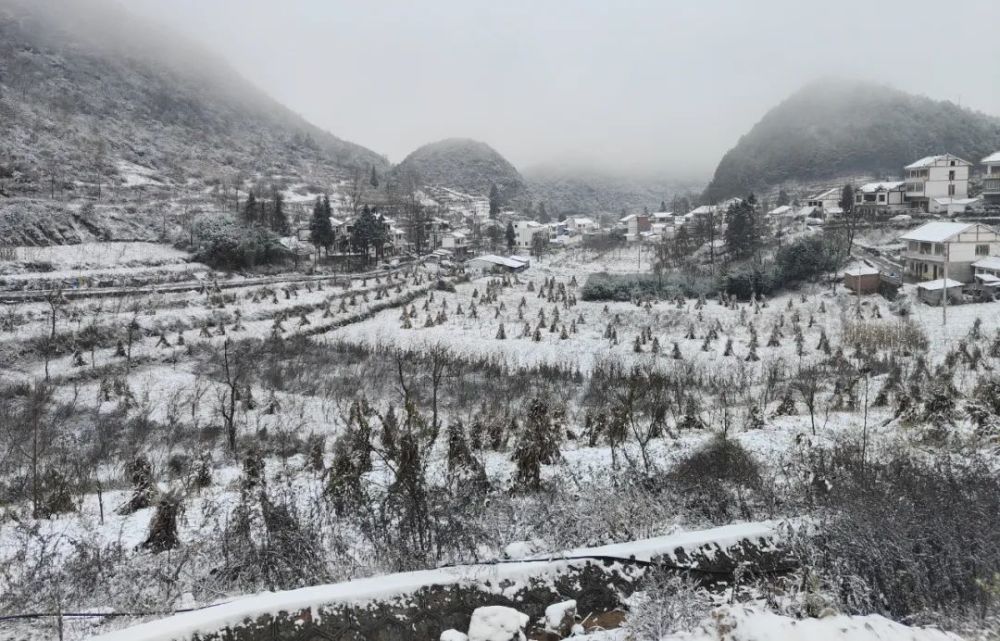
{"x": 836, "y": 128}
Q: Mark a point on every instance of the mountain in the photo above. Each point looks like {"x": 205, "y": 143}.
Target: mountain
{"x": 572, "y": 191}
{"x": 465, "y": 165}
{"x": 835, "y": 128}
{"x": 94, "y": 98}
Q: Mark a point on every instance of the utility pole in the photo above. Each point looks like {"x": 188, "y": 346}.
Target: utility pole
{"x": 944, "y": 295}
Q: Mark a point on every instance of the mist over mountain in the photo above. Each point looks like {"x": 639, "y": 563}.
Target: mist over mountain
{"x": 834, "y": 127}
{"x": 579, "y": 190}
{"x": 91, "y": 94}
{"x": 465, "y": 165}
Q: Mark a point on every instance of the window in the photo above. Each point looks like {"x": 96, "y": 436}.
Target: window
{"x": 951, "y": 175}
{"x": 938, "y": 249}
{"x": 925, "y": 248}
{"x": 982, "y": 250}
{"x": 881, "y": 198}
{"x": 951, "y": 190}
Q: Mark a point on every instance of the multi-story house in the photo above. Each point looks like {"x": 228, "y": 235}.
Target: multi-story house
{"x": 825, "y": 200}
{"x": 943, "y": 176}
{"x": 872, "y": 198}
{"x": 991, "y": 179}
{"x": 635, "y": 226}
{"x": 525, "y": 232}
{"x": 959, "y": 245}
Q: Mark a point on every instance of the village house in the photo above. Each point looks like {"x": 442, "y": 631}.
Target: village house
{"x": 581, "y": 225}
{"x": 492, "y": 263}
{"x": 456, "y": 242}
{"x": 635, "y": 226}
{"x": 877, "y": 197}
{"x": 525, "y": 232}
{"x": 942, "y": 176}
{"x": 991, "y": 179}
{"x": 825, "y": 200}
{"x": 959, "y": 245}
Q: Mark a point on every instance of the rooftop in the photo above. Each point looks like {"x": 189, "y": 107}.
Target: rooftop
{"x": 940, "y": 283}
{"x": 994, "y": 157}
{"x": 935, "y": 232}
{"x": 930, "y": 161}
{"x": 512, "y": 262}
{"x": 990, "y": 262}
{"x": 870, "y": 188}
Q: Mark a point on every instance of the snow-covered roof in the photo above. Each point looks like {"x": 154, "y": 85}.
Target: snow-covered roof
{"x": 778, "y": 211}
{"x": 930, "y": 161}
{"x": 862, "y": 270}
{"x": 583, "y": 220}
{"x": 987, "y": 278}
{"x": 704, "y": 209}
{"x": 512, "y": 263}
{"x": 935, "y": 232}
{"x": 625, "y": 219}
{"x": 933, "y": 285}
{"x": 956, "y": 201}
{"x": 994, "y": 157}
{"x": 335, "y": 222}
{"x": 457, "y": 234}
{"x": 870, "y": 188}
{"x": 833, "y": 192}
{"x": 990, "y": 262}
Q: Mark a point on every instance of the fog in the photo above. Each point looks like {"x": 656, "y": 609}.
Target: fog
{"x": 637, "y": 86}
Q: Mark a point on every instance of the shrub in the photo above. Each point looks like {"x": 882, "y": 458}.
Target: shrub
{"x": 625, "y": 287}
{"x": 222, "y": 242}
{"x": 805, "y": 259}
{"x": 944, "y": 522}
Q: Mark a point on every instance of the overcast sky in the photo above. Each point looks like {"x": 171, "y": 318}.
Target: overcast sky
{"x": 657, "y": 85}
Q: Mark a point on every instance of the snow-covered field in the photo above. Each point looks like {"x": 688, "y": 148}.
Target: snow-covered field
{"x": 297, "y": 369}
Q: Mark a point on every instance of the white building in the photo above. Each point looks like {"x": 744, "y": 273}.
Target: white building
{"x": 825, "y": 200}
{"x": 635, "y": 226}
{"x": 960, "y": 245}
{"x": 952, "y": 206}
{"x": 525, "y": 232}
{"x": 457, "y": 242}
{"x": 492, "y": 263}
{"x": 881, "y": 196}
{"x": 991, "y": 179}
{"x": 943, "y": 176}
{"x": 581, "y": 225}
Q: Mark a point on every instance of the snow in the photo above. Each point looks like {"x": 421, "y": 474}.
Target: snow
{"x": 497, "y": 623}
{"x": 558, "y": 614}
{"x": 934, "y": 285}
{"x": 512, "y": 576}
{"x": 930, "y": 161}
{"x": 994, "y": 157}
{"x": 937, "y": 232}
{"x": 96, "y": 255}
{"x": 453, "y": 635}
{"x": 870, "y": 188}
{"x": 735, "y": 623}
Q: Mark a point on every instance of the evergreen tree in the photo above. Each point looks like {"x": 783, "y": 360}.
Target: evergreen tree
{"x": 250, "y": 210}
{"x": 847, "y": 199}
{"x": 365, "y": 233}
{"x": 510, "y": 236}
{"x": 742, "y": 234}
{"x": 320, "y": 229}
{"x": 494, "y": 202}
{"x": 279, "y": 221}
{"x": 783, "y": 198}
{"x": 543, "y": 215}
{"x": 373, "y": 180}
{"x": 663, "y": 205}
